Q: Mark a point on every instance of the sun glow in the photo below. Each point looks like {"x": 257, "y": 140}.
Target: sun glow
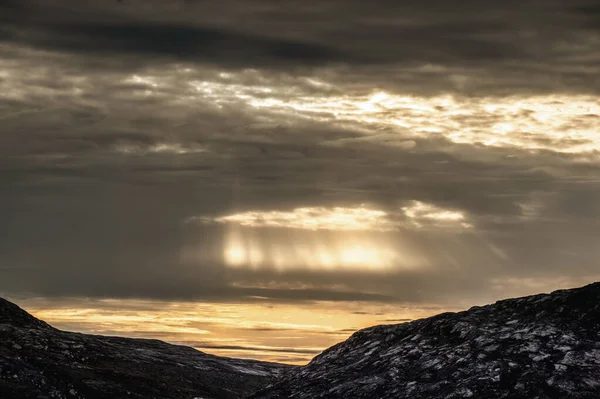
{"x": 350, "y": 257}
{"x": 235, "y": 255}
{"x": 244, "y": 248}
{"x": 361, "y": 255}
{"x": 321, "y": 238}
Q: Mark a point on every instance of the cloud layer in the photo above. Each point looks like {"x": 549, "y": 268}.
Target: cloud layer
{"x": 382, "y": 152}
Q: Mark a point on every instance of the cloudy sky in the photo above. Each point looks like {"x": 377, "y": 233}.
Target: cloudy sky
{"x": 293, "y": 171}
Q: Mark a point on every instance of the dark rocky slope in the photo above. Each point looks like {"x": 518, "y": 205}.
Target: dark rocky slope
{"x": 38, "y": 361}
{"x": 541, "y": 346}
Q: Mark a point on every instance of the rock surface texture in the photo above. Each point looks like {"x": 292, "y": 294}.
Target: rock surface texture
{"x": 541, "y": 346}
{"x": 38, "y": 361}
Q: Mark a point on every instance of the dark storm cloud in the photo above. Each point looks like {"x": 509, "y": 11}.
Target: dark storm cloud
{"x": 186, "y": 43}
{"x": 590, "y": 10}
{"x": 474, "y": 46}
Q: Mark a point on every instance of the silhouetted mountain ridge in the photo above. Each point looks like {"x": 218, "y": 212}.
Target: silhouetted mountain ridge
{"x": 541, "y": 346}
{"x": 15, "y": 316}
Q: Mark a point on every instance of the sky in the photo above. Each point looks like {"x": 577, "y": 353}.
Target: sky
{"x": 259, "y": 178}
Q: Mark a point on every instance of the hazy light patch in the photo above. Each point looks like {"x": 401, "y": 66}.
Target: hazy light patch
{"x": 16, "y": 78}
{"x": 532, "y": 208}
{"x": 227, "y": 92}
{"x": 144, "y": 80}
{"x": 328, "y": 239}
{"x": 316, "y": 218}
{"x": 291, "y": 333}
{"x": 165, "y": 148}
{"x": 244, "y": 248}
{"x": 421, "y": 214}
{"x": 352, "y": 256}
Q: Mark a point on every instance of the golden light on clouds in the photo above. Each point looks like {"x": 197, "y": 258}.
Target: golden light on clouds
{"x": 420, "y": 213}
{"x": 345, "y": 219}
{"x": 317, "y": 218}
{"x": 142, "y": 80}
{"x": 561, "y": 123}
{"x": 330, "y": 238}
{"x": 159, "y": 148}
{"x": 567, "y": 124}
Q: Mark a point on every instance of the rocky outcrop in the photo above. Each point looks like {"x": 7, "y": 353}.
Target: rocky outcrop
{"x": 541, "y": 346}
{"x": 11, "y": 314}
{"x": 38, "y": 361}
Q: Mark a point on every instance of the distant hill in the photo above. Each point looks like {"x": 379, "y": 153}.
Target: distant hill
{"x": 38, "y": 361}
{"x": 541, "y": 346}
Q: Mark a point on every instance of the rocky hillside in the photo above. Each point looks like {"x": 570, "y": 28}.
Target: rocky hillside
{"x": 38, "y": 361}
{"x": 542, "y": 346}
